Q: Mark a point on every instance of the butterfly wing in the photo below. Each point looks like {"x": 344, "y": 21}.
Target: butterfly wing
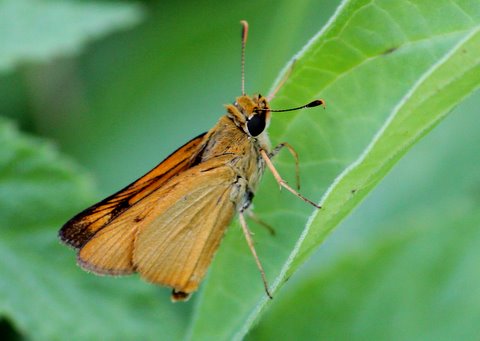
{"x": 176, "y": 248}
{"x": 172, "y": 236}
{"x": 81, "y": 228}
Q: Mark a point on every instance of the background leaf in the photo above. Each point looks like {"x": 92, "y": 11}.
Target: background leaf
{"x": 37, "y": 30}
{"x": 39, "y": 276}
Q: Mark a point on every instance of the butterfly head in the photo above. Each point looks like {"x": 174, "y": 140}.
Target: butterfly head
{"x": 251, "y": 114}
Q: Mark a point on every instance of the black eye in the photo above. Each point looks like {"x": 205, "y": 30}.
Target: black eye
{"x": 256, "y": 125}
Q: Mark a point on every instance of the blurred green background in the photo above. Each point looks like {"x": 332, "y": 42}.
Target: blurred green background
{"x": 123, "y": 84}
{"x": 148, "y": 81}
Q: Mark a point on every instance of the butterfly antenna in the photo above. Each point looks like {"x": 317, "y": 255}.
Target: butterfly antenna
{"x": 244, "y": 42}
{"x": 282, "y": 81}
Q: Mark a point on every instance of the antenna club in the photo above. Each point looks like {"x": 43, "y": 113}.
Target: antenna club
{"x": 316, "y": 103}
{"x": 244, "y": 24}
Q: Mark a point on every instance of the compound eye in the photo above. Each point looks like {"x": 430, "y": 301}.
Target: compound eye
{"x": 256, "y": 125}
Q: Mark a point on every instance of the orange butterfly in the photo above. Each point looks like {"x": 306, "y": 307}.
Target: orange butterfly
{"x": 167, "y": 225}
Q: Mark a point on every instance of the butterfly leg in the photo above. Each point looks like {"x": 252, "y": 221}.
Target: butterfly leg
{"x": 282, "y": 182}
{"x": 260, "y": 222}
{"x": 248, "y": 236}
{"x": 292, "y": 151}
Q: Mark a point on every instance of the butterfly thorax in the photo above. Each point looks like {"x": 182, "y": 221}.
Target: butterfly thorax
{"x": 236, "y": 143}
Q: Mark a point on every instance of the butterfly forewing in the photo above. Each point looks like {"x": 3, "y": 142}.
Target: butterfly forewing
{"x": 81, "y": 228}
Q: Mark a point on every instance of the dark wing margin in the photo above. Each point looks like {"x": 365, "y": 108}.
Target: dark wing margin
{"x": 82, "y": 227}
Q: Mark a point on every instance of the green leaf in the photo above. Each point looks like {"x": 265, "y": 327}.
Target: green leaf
{"x": 436, "y": 92}
{"x": 42, "y": 292}
{"x": 37, "y": 30}
{"x": 405, "y": 265}
{"x": 389, "y": 71}
{"x": 424, "y": 286}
